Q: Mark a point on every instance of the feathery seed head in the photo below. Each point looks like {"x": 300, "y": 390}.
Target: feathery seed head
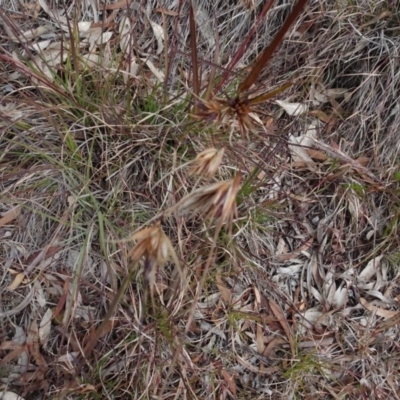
{"x": 217, "y": 200}
{"x": 207, "y": 162}
{"x": 154, "y": 245}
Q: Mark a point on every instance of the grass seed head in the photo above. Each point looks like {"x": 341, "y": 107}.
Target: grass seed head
{"x": 154, "y": 246}
{"x": 220, "y": 110}
{"x": 217, "y": 200}
{"x": 207, "y": 162}
{"x": 214, "y": 110}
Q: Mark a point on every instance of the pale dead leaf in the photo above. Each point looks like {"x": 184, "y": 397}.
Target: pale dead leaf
{"x": 40, "y": 46}
{"x": 11, "y": 111}
{"x": 381, "y": 297}
{"x": 125, "y": 29}
{"x": 338, "y": 93}
{"x": 19, "y": 335}
{"x": 72, "y": 259}
{"x": 45, "y": 327}
{"x": 329, "y": 288}
{"x": 159, "y": 35}
{"x": 329, "y": 95}
{"x": 84, "y": 27}
{"x": 370, "y": 270}
{"x": 10, "y": 396}
{"x": 212, "y": 330}
{"x": 320, "y": 97}
{"x": 282, "y": 247}
{"x": 370, "y": 234}
{"x": 340, "y": 297}
{"x": 293, "y": 109}
{"x": 209, "y": 348}
{"x": 96, "y": 37}
{"x": 156, "y": 72}
{"x": 105, "y": 37}
{"x": 209, "y": 301}
{"x": 69, "y": 359}
{"x": 293, "y": 270}
{"x": 299, "y": 144}
{"x": 40, "y": 295}
{"x": 16, "y": 282}
{"x": 380, "y": 312}
{"x": 133, "y": 68}
{"x": 54, "y": 14}
{"x": 35, "y": 33}
{"x": 91, "y": 60}
{"x": 91, "y": 35}
{"x": 57, "y": 47}
{"x": 317, "y": 295}
{"x": 25, "y": 36}
{"x": 298, "y": 152}
{"x": 130, "y": 71}
{"x": 114, "y": 368}
{"x": 23, "y": 357}
{"x": 85, "y": 312}
{"x": 13, "y": 213}
{"x": 311, "y": 316}
{"x": 48, "y": 61}
{"x": 296, "y": 252}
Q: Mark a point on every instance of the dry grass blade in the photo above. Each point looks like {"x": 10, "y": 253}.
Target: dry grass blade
{"x": 195, "y": 65}
{"x": 269, "y": 95}
{"x": 269, "y": 51}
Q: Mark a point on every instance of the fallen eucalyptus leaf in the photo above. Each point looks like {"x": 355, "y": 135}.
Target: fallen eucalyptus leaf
{"x": 293, "y": 109}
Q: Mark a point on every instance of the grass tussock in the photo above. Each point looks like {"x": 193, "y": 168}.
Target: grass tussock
{"x": 188, "y": 213}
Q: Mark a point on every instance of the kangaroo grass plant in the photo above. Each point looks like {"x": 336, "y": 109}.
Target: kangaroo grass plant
{"x": 199, "y": 200}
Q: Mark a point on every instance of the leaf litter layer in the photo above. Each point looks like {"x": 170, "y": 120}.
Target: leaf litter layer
{"x": 101, "y": 147}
